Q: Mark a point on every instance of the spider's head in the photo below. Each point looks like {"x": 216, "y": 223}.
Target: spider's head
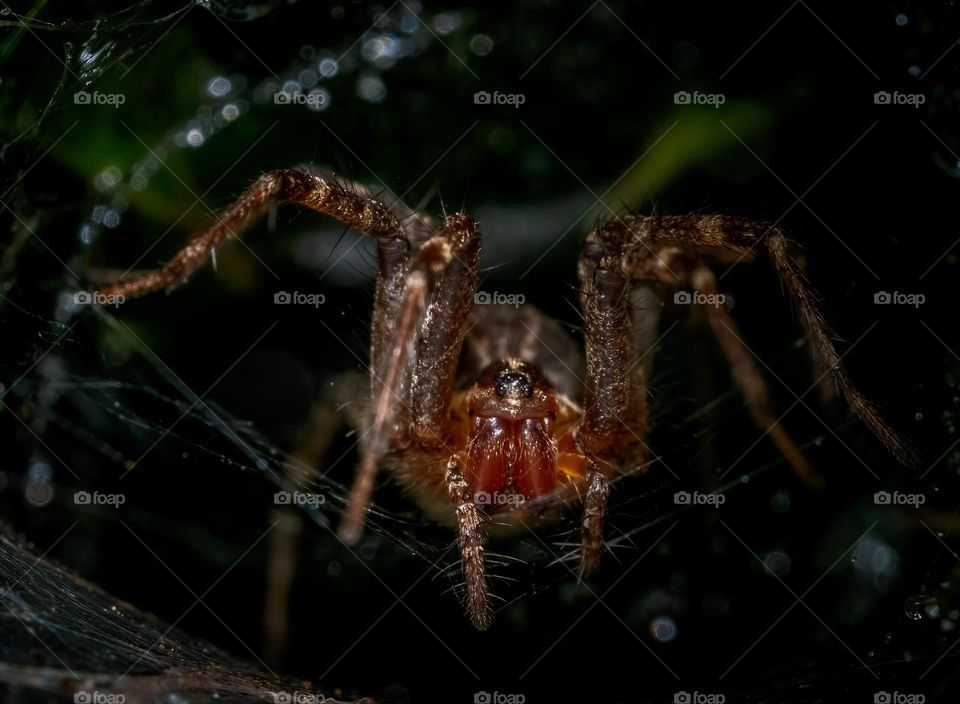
{"x": 512, "y": 452}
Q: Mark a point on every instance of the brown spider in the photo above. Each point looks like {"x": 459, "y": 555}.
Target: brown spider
{"x": 472, "y": 408}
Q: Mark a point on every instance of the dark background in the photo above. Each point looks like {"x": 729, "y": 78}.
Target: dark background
{"x": 877, "y": 188}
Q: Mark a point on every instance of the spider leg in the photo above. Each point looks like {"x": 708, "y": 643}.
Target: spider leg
{"x": 470, "y": 540}
{"x": 615, "y": 414}
{"x": 642, "y": 242}
{"x": 451, "y": 258}
{"x": 348, "y": 203}
{"x": 592, "y": 543}
{"x": 444, "y": 329}
{"x": 637, "y": 250}
{"x": 791, "y": 274}
{"x": 402, "y": 286}
{"x": 747, "y": 375}
{"x": 385, "y": 404}
{"x": 419, "y": 368}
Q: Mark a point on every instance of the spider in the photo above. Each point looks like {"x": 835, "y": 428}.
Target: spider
{"x": 473, "y": 409}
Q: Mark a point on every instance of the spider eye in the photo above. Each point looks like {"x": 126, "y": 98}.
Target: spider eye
{"x": 513, "y": 384}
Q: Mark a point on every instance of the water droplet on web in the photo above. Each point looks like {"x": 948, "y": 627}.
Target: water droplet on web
{"x": 371, "y": 88}
{"x": 230, "y": 112}
{"x": 446, "y": 22}
{"x": 663, "y": 629}
{"x": 108, "y": 178}
{"x": 481, "y": 44}
{"x": 329, "y": 68}
{"x": 40, "y": 472}
{"x": 780, "y": 502}
{"x": 319, "y": 99}
{"x": 38, "y": 494}
{"x": 913, "y": 608}
{"x": 219, "y": 86}
{"x": 195, "y": 138}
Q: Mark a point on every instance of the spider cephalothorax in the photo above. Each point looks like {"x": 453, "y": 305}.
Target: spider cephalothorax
{"x": 484, "y": 410}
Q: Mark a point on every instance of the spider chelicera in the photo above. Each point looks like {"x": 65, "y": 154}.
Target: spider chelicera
{"x": 480, "y": 412}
